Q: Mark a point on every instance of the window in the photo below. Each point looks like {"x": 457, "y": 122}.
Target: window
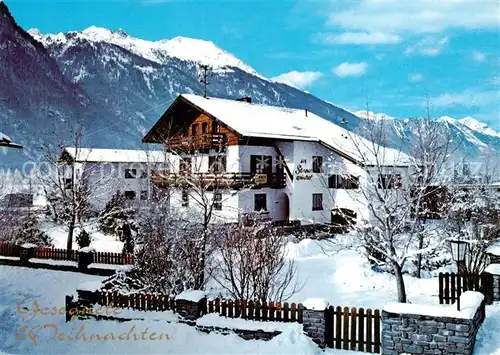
{"x": 185, "y": 198}
{"x": 144, "y": 174}
{"x": 317, "y": 164}
{"x": 347, "y": 182}
{"x": 130, "y": 195}
{"x": 217, "y": 201}
{"x": 217, "y": 164}
{"x": 185, "y": 165}
{"x": 194, "y": 129}
{"x": 130, "y": 173}
{"x": 261, "y": 164}
{"x": 317, "y": 204}
{"x": 204, "y": 128}
{"x": 215, "y": 127}
{"x": 144, "y": 195}
{"x": 260, "y": 202}
{"x": 389, "y": 181}
{"x": 68, "y": 182}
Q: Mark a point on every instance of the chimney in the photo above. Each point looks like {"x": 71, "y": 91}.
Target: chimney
{"x": 306, "y": 112}
{"x": 245, "y": 99}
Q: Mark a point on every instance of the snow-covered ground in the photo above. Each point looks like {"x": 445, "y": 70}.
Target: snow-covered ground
{"x": 100, "y": 241}
{"x": 21, "y": 286}
{"x": 342, "y": 279}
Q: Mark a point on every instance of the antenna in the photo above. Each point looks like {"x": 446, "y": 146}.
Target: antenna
{"x": 204, "y": 80}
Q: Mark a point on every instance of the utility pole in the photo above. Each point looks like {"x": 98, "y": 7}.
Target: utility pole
{"x": 205, "y": 68}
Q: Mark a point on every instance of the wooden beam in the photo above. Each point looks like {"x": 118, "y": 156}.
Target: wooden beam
{"x": 8, "y": 144}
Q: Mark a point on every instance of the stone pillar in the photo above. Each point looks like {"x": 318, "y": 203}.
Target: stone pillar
{"x": 314, "y": 320}
{"x": 494, "y": 270}
{"x": 191, "y": 305}
{"x": 27, "y": 251}
{"x": 418, "y": 329}
{"x": 85, "y": 257}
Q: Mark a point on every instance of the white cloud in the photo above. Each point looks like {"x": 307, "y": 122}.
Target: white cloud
{"x": 467, "y": 98}
{"x": 416, "y": 16}
{"x": 359, "y": 38}
{"x": 414, "y": 78}
{"x": 298, "y": 79}
{"x": 428, "y": 46}
{"x": 478, "y": 56}
{"x": 350, "y": 69}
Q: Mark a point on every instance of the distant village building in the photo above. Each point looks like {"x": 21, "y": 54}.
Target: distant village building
{"x": 110, "y": 170}
{"x": 266, "y": 162}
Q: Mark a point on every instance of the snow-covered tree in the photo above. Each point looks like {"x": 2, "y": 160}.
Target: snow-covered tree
{"x": 398, "y": 192}
{"x": 473, "y": 213}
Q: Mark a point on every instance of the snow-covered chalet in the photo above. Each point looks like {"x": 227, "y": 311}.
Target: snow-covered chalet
{"x": 107, "y": 171}
{"x": 265, "y": 162}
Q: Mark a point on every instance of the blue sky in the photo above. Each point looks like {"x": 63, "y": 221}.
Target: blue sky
{"x": 388, "y": 54}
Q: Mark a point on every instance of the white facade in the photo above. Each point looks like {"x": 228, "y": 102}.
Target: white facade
{"x": 130, "y": 175}
{"x": 294, "y": 201}
{"x": 299, "y": 138}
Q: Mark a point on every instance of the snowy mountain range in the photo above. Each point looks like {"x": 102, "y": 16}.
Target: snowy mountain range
{"x": 118, "y": 86}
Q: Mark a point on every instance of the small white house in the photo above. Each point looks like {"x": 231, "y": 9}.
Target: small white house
{"x": 269, "y": 162}
{"x": 107, "y": 171}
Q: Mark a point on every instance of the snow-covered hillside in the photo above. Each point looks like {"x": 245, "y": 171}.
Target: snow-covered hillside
{"x": 183, "y": 48}
{"x": 118, "y": 86}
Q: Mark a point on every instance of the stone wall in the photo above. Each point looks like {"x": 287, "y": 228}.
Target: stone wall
{"x": 314, "y": 325}
{"x": 496, "y": 287}
{"x": 427, "y": 334}
{"x": 242, "y": 333}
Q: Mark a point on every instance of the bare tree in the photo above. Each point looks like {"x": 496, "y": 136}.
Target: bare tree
{"x": 69, "y": 191}
{"x": 202, "y": 179}
{"x": 251, "y": 263}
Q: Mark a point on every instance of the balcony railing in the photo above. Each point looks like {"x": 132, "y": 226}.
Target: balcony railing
{"x": 210, "y": 181}
{"x": 191, "y": 143}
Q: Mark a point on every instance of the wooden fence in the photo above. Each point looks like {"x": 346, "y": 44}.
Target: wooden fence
{"x": 451, "y": 286}
{"x": 137, "y": 301}
{"x": 55, "y": 254}
{"x": 353, "y": 329}
{"x": 9, "y": 249}
{"x": 113, "y": 258}
{"x": 259, "y": 311}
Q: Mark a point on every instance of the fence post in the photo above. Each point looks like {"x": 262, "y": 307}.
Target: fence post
{"x": 191, "y": 305}
{"x": 487, "y": 285}
{"x": 85, "y": 257}
{"x": 27, "y": 251}
{"x": 314, "y": 320}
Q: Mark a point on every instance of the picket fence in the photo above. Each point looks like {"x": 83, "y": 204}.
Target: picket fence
{"x": 55, "y": 254}
{"x": 252, "y": 310}
{"x": 452, "y": 285}
{"x": 9, "y": 249}
{"x": 353, "y": 329}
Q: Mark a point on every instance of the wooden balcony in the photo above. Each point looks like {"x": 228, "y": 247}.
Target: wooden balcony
{"x": 194, "y": 143}
{"x": 210, "y": 181}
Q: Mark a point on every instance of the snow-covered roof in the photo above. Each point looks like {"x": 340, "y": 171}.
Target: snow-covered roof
{"x": 115, "y": 155}
{"x": 5, "y": 141}
{"x": 256, "y": 120}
